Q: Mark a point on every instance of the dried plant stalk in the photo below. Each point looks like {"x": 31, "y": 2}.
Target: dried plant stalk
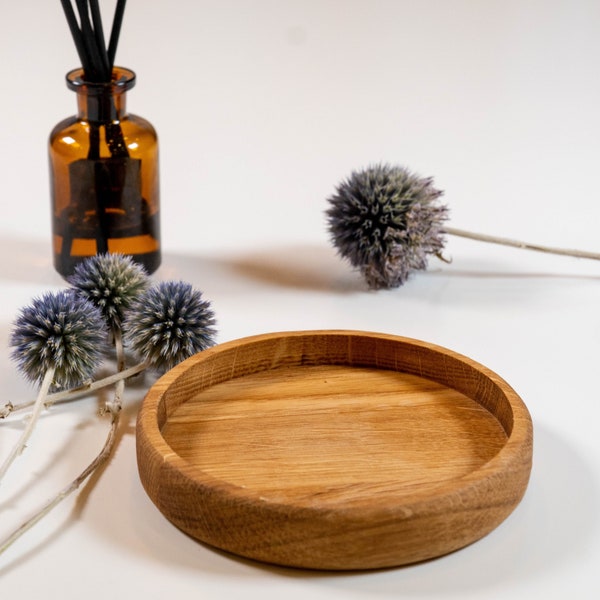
{"x": 492, "y": 239}
{"x": 76, "y": 393}
{"x": 102, "y": 457}
{"x": 114, "y": 408}
{"x": 26, "y": 434}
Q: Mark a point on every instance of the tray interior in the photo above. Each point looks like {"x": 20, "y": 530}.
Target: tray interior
{"x": 333, "y": 434}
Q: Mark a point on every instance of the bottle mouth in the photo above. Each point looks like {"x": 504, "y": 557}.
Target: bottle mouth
{"x": 122, "y": 80}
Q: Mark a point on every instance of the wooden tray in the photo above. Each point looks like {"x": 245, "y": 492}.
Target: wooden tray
{"x": 334, "y": 449}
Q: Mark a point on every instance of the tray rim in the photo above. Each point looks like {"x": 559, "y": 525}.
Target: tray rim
{"x": 516, "y": 450}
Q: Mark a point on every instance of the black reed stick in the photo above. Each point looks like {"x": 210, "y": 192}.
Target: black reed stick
{"x": 99, "y": 36}
{"x": 76, "y": 33}
{"x": 88, "y": 34}
{"x": 97, "y": 63}
{"x": 115, "y": 32}
{"x": 89, "y": 40}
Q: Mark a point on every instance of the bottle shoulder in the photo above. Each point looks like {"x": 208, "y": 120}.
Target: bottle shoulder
{"x": 65, "y": 125}
{"x": 73, "y": 128}
{"x": 140, "y": 122}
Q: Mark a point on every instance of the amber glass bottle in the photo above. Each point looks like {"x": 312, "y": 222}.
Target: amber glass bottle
{"x": 104, "y": 177}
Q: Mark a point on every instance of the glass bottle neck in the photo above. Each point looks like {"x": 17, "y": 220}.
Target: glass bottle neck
{"x": 101, "y": 108}
{"x": 101, "y": 101}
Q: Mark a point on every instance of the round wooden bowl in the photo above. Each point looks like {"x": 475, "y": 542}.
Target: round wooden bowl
{"x": 334, "y": 449}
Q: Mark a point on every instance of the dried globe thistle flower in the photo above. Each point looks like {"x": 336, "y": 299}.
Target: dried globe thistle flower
{"x": 59, "y": 331}
{"x": 386, "y": 221}
{"x": 168, "y": 323}
{"x": 165, "y": 324}
{"x": 111, "y": 282}
{"x": 57, "y": 341}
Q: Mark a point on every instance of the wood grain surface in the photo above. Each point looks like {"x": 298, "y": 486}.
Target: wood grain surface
{"x": 334, "y": 449}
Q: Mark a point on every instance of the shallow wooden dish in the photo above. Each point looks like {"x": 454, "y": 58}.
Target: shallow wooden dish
{"x": 334, "y": 449}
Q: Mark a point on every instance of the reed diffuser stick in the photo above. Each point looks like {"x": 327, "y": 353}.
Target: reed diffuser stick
{"x": 96, "y": 58}
{"x": 99, "y": 37}
{"x": 76, "y": 33}
{"x": 116, "y": 31}
{"x": 98, "y": 64}
{"x": 90, "y": 43}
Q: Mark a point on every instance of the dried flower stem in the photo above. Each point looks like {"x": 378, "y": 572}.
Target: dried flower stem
{"x": 78, "y": 392}
{"x": 117, "y": 402}
{"x": 517, "y": 244}
{"x": 73, "y": 486}
{"x": 114, "y": 408}
{"x": 37, "y": 409}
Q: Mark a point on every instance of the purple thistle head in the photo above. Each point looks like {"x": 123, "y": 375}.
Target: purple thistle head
{"x": 168, "y": 323}
{"x": 59, "y": 330}
{"x": 111, "y": 282}
{"x": 385, "y": 221}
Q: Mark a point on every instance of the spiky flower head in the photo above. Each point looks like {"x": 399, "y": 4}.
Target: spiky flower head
{"x": 386, "y": 220}
{"x": 111, "y": 282}
{"x": 62, "y": 331}
{"x": 168, "y": 323}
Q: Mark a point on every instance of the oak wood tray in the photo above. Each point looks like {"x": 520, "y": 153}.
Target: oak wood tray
{"x": 334, "y": 449}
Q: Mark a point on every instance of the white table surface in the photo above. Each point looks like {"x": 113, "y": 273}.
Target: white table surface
{"x": 262, "y": 107}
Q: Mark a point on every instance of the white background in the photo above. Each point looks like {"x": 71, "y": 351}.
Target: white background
{"x": 262, "y": 107}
